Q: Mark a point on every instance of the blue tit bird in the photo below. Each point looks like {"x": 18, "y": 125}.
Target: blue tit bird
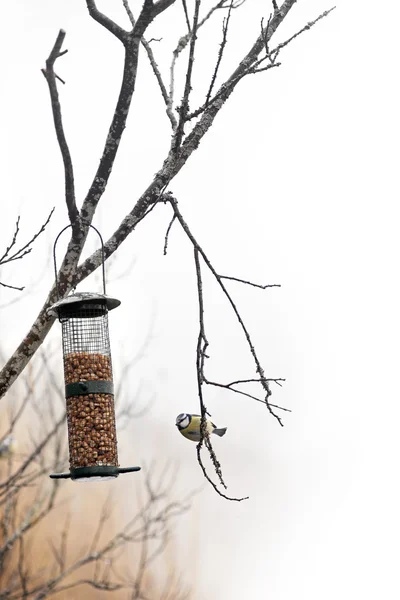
{"x": 7, "y": 446}
{"x": 189, "y": 426}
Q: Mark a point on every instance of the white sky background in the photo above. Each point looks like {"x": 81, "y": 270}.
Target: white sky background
{"x": 295, "y": 184}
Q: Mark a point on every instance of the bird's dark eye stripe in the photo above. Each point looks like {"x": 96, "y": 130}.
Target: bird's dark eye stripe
{"x": 180, "y": 419}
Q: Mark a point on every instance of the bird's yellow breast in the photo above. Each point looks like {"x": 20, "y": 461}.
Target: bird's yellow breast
{"x": 192, "y": 431}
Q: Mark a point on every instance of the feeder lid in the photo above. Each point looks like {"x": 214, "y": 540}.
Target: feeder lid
{"x": 81, "y": 298}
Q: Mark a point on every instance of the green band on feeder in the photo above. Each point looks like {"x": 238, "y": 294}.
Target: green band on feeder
{"x": 82, "y": 388}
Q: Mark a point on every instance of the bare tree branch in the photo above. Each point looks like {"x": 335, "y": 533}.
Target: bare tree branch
{"x": 131, "y": 43}
{"x": 247, "y": 66}
{"x": 50, "y": 76}
{"x": 154, "y": 66}
{"x": 70, "y": 273}
{"x": 105, "y": 21}
{"x": 118, "y": 122}
{"x": 149, "y": 12}
{"x": 184, "y": 40}
{"x": 129, "y": 12}
{"x": 202, "y": 344}
{"x": 259, "y": 369}
{"x": 184, "y": 107}
{"x": 43, "y": 322}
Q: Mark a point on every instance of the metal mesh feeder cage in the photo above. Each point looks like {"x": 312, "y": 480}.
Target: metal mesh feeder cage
{"x": 89, "y": 389}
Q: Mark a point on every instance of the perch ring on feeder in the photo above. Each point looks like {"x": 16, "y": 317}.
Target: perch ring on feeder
{"x": 89, "y": 389}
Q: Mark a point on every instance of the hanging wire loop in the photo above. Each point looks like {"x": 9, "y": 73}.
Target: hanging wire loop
{"x": 102, "y": 258}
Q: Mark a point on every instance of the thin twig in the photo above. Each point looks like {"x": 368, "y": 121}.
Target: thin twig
{"x": 254, "y": 69}
{"x": 22, "y": 570}
{"x": 225, "y": 26}
{"x": 13, "y": 241}
{"x": 26, "y": 249}
{"x": 183, "y": 110}
{"x": 185, "y": 10}
{"x": 262, "y": 287}
{"x": 242, "y": 393}
{"x": 167, "y": 233}
{"x": 23, "y": 251}
{"x": 276, "y": 380}
{"x": 161, "y": 83}
{"x": 302, "y": 30}
{"x": 206, "y": 475}
{"x": 12, "y": 287}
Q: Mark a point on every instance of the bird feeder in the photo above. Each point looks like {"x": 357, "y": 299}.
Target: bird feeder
{"x": 89, "y": 389}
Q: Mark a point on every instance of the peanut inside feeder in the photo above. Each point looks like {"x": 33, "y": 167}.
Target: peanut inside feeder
{"x": 91, "y": 420}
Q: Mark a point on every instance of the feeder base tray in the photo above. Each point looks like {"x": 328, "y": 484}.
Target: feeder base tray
{"x": 94, "y": 473}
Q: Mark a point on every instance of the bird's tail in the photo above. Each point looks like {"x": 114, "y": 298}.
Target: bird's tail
{"x": 220, "y": 431}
